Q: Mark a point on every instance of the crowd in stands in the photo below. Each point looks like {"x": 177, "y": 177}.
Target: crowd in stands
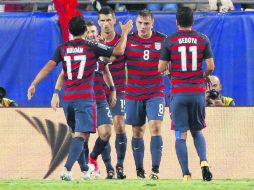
{"x": 213, "y": 5}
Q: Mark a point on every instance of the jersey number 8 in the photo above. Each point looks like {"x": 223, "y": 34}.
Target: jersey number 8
{"x": 146, "y": 55}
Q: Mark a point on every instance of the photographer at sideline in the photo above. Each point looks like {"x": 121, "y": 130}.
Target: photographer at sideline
{"x": 214, "y": 96}
{"x": 5, "y": 102}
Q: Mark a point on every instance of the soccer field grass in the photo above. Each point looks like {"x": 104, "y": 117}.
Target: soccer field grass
{"x": 25, "y": 184}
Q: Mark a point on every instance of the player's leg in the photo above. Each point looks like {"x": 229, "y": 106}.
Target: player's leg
{"x": 118, "y": 113}
{"x": 105, "y": 118}
{"x": 155, "y": 113}
{"x": 100, "y": 144}
{"x": 179, "y": 113}
{"x": 83, "y": 161}
{"x": 80, "y": 118}
{"x": 197, "y": 124}
{"x": 136, "y": 116}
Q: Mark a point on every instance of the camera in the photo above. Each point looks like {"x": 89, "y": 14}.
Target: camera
{"x": 213, "y": 94}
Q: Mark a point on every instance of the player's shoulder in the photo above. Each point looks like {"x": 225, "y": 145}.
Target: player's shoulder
{"x": 202, "y": 35}
{"x": 78, "y": 42}
{"x": 172, "y": 36}
{"x": 160, "y": 34}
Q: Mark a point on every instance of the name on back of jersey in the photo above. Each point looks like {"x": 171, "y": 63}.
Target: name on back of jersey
{"x": 187, "y": 40}
{"x": 74, "y": 50}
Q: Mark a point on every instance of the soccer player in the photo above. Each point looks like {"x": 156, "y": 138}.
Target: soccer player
{"x": 145, "y": 91}
{"x": 78, "y": 59}
{"x": 106, "y": 21}
{"x": 104, "y": 119}
{"x": 184, "y": 52}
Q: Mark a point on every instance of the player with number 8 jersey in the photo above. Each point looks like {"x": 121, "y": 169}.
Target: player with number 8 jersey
{"x": 145, "y": 90}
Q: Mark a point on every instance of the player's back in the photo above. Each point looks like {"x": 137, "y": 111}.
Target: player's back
{"x": 142, "y": 58}
{"x": 78, "y": 66}
{"x": 188, "y": 49}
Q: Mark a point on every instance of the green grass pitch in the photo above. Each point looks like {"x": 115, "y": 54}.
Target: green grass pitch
{"x": 28, "y": 184}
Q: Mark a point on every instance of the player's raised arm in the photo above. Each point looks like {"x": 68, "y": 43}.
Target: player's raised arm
{"x": 120, "y": 47}
{"x": 41, "y": 75}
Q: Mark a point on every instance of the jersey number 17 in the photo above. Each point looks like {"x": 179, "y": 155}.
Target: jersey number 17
{"x": 82, "y": 59}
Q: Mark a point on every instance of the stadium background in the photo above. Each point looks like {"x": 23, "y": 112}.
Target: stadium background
{"x": 38, "y": 142}
{"x": 29, "y": 39}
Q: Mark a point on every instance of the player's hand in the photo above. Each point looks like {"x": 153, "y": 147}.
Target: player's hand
{"x": 55, "y": 101}
{"x": 166, "y": 72}
{"x": 100, "y": 39}
{"x": 112, "y": 99}
{"x": 208, "y": 83}
{"x": 30, "y": 91}
{"x": 126, "y": 28}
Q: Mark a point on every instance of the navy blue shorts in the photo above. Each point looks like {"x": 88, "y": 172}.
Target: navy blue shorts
{"x": 80, "y": 115}
{"x": 119, "y": 108}
{"x": 138, "y": 110}
{"x": 103, "y": 113}
{"x": 188, "y": 112}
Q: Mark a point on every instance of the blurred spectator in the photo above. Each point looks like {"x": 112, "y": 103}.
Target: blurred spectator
{"x": 214, "y": 96}
{"x": 162, "y": 7}
{"x": 248, "y": 7}
{"x": 97, "y": 4}
{"x": 5, "y": 102}
{"x": 213, "y": 5}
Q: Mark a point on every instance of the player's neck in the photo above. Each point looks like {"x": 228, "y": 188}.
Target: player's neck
{"x": 184, "y": 28}
{"x": 145, "y": 36}
{"x": 78, "y": 37}
{"x": 108, "y": 36}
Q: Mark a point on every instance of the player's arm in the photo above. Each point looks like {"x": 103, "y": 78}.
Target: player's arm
{"x": 109, "y": 81}
{"x": 121, "y": 45}
{"x": 55, "y": 98}
{"x": 103, "y": 50}
{"x": 209, "y": 67}
{"x": 43, "y": 73}
{"x": 208, "y": 55}
{"x": 40, "y": 76}
{"x": 164, "y": 62}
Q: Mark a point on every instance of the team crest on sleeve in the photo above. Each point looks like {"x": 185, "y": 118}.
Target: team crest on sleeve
{"x": 157, "y": 45}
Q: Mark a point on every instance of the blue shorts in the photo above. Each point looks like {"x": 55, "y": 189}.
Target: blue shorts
{"x": 119, "y": 108}
{"x": 103, "y": 113}
{"x": 188, "y": 112}
{"x": 80, "y": 115}
{"x": 138, "y": 110}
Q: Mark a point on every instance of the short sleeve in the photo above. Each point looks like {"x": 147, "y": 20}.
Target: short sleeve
{"x": 208, "y": 50}
{"x": 101, "y": 49}
{"x": 57, "y": 56}
{"x": 165, "y": 53}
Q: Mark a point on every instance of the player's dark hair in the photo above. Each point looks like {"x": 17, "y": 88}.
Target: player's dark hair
{"x": 184, "y": 17}
{"x": 145, "y": 13}
{"x": 77, "y": 25}
{"x": 89, "y": 23}
{"x": 106, "y": 10}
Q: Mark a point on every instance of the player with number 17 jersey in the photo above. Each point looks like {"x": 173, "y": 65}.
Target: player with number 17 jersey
{"x": 79, "y": 63}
